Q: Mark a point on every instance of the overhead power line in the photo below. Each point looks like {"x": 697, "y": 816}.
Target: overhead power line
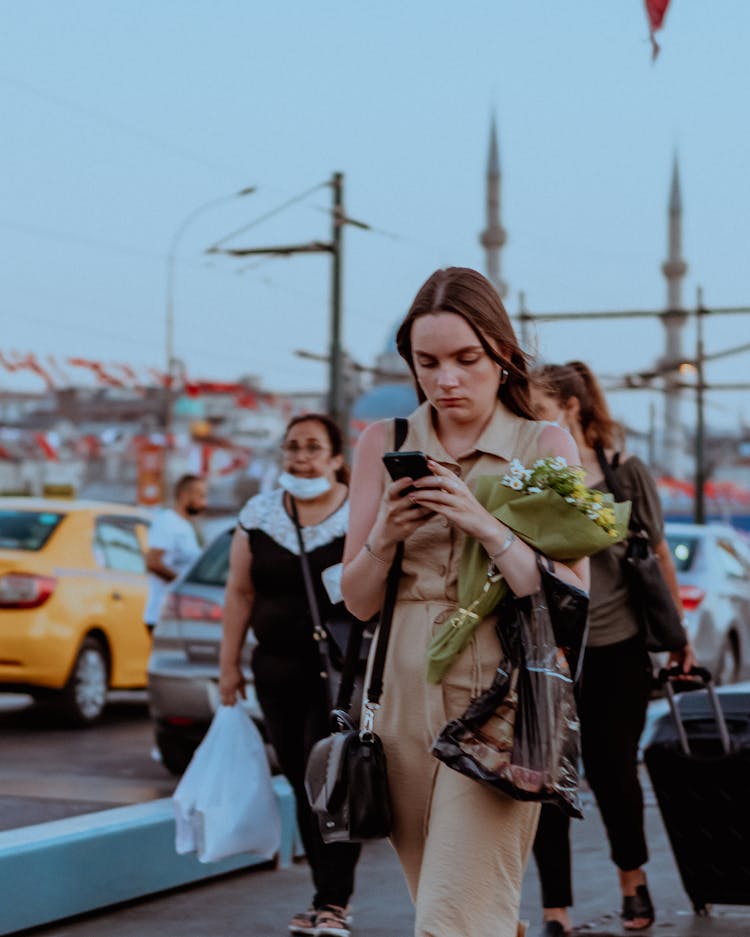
{"x": 119, "y": 125}
{"x": 264, "y": 217}
{"x": 626, "y": 314}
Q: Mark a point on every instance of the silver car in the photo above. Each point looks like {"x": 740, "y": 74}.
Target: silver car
{"x": 713, "y": 569}
{"x": 183, "y": 669}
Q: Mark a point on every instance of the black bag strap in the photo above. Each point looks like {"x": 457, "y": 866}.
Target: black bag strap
{"x": 635, "y": 525}
{"x": 375, "y": 687}
{"x": 324, "y": 637}
{"x": 354, "y": 644}
{"x": 312, "y": 600}
{"x": 320, "y": 632}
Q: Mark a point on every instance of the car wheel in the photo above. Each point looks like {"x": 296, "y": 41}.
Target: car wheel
{"x": 175, "y": 752}
{"x": 727, "y": 669}
{"x": 85, "y": 694}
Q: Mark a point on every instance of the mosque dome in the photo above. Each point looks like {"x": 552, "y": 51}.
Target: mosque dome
{"x": 384, "y": 401}
{"x": 391, "y": 395}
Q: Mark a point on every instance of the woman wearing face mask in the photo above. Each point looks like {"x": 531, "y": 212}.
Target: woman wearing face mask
{"x": 615, "y": 685}
{"x": 266, "y": 591}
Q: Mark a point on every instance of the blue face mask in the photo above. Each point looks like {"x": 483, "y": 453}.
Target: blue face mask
{"x": 560, "y": 420}
{"x": 304, "y": 489}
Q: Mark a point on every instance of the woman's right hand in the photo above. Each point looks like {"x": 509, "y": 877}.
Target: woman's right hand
{"x": 401, "y": 516}
{"x": 231, "y": 684}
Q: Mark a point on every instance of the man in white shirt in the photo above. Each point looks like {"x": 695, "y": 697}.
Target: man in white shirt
{"x": 172, "y": 542}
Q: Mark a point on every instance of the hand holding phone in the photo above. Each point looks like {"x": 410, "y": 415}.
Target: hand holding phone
{"x": 406, "y": 465}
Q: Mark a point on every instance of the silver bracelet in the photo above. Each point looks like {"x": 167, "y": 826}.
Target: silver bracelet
{"x": 507, "y": 543}
{"x": 375, "y": 556}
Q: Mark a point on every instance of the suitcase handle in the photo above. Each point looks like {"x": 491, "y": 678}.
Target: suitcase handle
{"x": 665, "y": 679}
{"x": 676, "y": 672}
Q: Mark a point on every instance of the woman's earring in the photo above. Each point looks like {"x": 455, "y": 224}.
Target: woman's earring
{"x": 503, "y": 376}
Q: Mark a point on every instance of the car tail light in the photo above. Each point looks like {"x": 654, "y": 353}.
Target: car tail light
{"x": 24, "y": 590}
{"x": 170, "y": 608}
{"x": 691, "y": 597}
{"x": 191, "y": 608}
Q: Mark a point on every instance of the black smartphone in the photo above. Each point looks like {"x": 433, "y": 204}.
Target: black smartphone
{"x": 406, "y": 465}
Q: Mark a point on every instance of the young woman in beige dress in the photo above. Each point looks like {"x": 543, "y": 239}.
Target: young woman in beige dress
{"x": 462, "y": 846}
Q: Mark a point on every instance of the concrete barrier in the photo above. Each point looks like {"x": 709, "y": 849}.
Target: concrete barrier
{"x": 55, "y": 870}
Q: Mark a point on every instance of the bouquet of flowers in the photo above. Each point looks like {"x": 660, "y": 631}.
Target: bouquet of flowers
{"x": 550, "y": 508}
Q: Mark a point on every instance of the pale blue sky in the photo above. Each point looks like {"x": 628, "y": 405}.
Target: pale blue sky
{"x": 120, "y": 118}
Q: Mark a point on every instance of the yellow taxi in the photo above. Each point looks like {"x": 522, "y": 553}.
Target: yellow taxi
{"x": 72, "y": 592}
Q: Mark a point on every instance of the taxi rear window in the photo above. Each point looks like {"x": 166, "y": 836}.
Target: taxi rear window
{"x": 26, "y": 530}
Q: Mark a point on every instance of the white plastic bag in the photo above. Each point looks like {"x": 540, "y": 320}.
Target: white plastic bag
{"x": 224, "y": 803}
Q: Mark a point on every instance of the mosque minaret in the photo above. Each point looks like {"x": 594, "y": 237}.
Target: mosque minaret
{"x": 674, "y": 269}
{"x": 493, "y": 237}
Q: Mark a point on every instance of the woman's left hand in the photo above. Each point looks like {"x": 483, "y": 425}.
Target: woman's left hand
{"x": 446, "y": 494}
{"x": 684, "y": 659}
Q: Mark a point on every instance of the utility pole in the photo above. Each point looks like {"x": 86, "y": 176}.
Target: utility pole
{"x": 337, "y": 405}
{"x": 523, "y": 318}
{"x": 699, "y": 505}
{"x": 651, "y": 433}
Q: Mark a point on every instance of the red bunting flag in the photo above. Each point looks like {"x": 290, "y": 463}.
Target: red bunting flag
{"x": 656, "y": 11}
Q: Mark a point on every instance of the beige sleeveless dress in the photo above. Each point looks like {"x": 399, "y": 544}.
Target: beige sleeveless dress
{"x": 463, "y": 847}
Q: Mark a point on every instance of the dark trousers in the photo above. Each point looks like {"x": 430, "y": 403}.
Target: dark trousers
{"x": 295, "y": 708}
{"x": 613, "y": 694}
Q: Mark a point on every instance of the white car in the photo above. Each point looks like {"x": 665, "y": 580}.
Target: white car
{"x": 713, "y": 570}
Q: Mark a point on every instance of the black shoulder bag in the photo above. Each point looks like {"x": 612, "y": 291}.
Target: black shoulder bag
{"x": 658, "y": 615}
{"x": 346, "y": 778}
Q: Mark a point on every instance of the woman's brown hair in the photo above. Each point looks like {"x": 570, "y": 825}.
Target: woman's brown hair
{"x": 575, "y": 379}
{"x": 335, "y": 438}
{"x": 468, "y": 294}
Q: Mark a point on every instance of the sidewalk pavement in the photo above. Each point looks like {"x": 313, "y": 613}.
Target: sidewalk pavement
{"x": 259, "y": 902}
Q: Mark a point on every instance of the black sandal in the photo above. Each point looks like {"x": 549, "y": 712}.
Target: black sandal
{"x": 553, "y": 929}
{"x": 638, "y": 906}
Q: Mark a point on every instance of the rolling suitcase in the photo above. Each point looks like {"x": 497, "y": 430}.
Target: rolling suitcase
{"x": 698, "y": 760}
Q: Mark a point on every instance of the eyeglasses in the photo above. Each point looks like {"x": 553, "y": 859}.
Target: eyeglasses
{"x": 311, "y": 449}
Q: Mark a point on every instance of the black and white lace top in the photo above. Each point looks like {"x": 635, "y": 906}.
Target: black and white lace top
{"x": 281, "y": 616}
{"x": 268, "y": 513}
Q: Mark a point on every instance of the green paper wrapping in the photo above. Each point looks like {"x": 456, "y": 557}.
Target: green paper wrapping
{"x": 544, "y": 520}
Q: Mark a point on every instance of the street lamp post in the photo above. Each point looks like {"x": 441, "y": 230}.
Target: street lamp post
{"x": 170, "y": 360}
{"x": 699, "y": 507}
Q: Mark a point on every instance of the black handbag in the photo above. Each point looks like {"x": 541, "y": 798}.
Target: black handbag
{"x": 522, "y": 735}
{"x": 346, "y": 776}
{"x": 659, "y": 617}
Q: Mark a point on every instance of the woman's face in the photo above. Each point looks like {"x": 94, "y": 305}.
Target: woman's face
{"x": 546, "y": 405}
{"x": 457, "y": 375}
{"x": 307, "y": 451}
{"x": 549, "y": 407}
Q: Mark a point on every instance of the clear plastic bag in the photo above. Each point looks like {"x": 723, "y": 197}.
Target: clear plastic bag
{"x": 522, "y": 735}
{"x": 225, "y": 804}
